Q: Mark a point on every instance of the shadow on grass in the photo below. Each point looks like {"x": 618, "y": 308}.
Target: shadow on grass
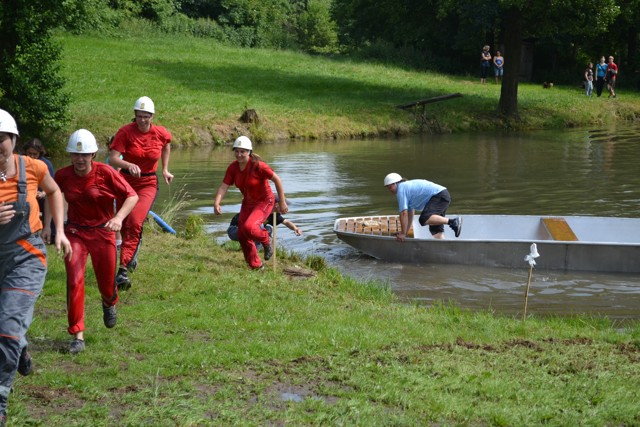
{"x": 281, "y": 86}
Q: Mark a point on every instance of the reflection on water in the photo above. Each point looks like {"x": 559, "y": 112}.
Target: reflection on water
{"x": 586, "y": 172}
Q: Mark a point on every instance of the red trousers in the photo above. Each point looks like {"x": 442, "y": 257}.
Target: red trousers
{"x": 252, "y": 215}
{"x": 100, "y": 243}
{"x": 147, "y": 188}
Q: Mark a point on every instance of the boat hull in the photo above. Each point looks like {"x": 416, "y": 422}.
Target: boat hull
{"x": 580, "y": 255}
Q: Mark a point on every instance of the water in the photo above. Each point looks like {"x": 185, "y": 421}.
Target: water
{"x": 575, "y": 172}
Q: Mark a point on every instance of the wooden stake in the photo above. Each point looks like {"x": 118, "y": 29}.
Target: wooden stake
{"x": 526, "y": 293}
{"x": 273, "y": 242}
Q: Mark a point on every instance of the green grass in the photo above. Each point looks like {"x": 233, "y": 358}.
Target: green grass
{"x": 201, "y": 88}
{"x": 201, "y": 340}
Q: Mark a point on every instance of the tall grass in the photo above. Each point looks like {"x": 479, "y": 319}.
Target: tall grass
{"x": 201, "y": 88}
{"x": 201, "y": 340}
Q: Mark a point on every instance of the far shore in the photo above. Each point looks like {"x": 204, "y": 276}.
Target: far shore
{"x": 202, "y": 89}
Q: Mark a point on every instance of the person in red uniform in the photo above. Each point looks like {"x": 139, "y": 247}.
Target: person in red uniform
{"x": 612, "y": 77}
{"x": 23, "y": 254}
{"x": 251, "y": 175}
{"x": 141, "y": 144}
{"x": 90, "y": 188}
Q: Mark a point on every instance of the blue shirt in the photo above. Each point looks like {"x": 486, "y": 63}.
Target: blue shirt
{"x": 416, "y": 193}
{"x": 601, "y": 70}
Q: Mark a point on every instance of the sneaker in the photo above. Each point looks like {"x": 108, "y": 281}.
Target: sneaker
{"x": 24, "y": 363}
{"x": 133, "y": 264}
{"x": 109, "y": 315}
{"x": 122, "y": 280}
{"x": 259, "y": 268}
{"x": 269, "y": 229}
{"x": 456, "y": 225}
{"x": 268, "y": 252}
{"x": 76, "y": 346}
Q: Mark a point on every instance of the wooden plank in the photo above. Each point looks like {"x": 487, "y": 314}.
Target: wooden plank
{"x": 429, "y": 101}
{"x": 559, "y": 229}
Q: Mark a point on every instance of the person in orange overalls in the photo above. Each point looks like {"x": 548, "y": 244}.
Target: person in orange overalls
{"x": 90, "y": 187}
{"x": 252, "y": 175}
{"x": 141, "y": 144}
{"x": 23, "y": 255}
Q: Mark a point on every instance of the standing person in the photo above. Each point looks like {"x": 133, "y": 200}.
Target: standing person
{"x": 601, "y": 74}
{"x": 612, "y": 76}
{"x": 498, "y": 63}
{"x": 251, "y": 175}
{"x": 485, "y": 64}
{"x": 23, "y": 255}
{"x": 588, "y": 79}
{"x": 426, "y": 196}
{"x": 35, "y": 150}
{"x": 141, "y": 144}
{"x": 90, "y": 188}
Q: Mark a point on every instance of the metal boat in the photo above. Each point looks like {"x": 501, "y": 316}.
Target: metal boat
{"x": 581, "y": 243}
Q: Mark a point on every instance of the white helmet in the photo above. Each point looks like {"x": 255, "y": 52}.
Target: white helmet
{"x": 7, "y": 123}
{"x": 144, "y": 104}
{"x": 82, "y": 141}
{"x": 392, "y": 178}
{"x": 244, "y": 143}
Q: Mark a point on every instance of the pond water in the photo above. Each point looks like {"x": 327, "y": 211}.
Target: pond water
{"x": 574, "y": 172}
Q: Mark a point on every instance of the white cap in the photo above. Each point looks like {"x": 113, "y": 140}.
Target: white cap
{"x": 243, "y": 142}
{"x": 8, "y": 123}
{"x": 83, "y": 142}
{"x": 144, "y": 104}
{"x": 392, "y": 178}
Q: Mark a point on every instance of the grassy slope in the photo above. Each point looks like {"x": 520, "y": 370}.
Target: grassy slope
{"x": 201, "y": 88}
{"x": 201, "y": 340}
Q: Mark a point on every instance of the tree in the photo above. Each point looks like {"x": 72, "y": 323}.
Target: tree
{"x": 32, "y": 88}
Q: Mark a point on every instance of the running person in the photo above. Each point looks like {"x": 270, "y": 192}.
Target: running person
{"x": 252, "y": 175}
{"x": 23, "y": 255}
{"x": 141, "y": 144}
{"x": 90, "y": 188}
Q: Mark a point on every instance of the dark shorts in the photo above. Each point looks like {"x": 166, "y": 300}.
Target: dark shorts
{"x": 437, "y": 205}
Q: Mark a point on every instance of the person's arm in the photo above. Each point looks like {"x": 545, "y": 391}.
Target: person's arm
{"x": 115, "y": 223}
{"x": 46, "y": 223}
{"x": 282, "y": 203}
{"x": 54, "y": 198}
{"x": 406, "y": 218}
{"x": 117, "y": 162}
{"x": 291, "y": 226}
{"x": 166, "y": 153}
{"x": 222, "y": 190}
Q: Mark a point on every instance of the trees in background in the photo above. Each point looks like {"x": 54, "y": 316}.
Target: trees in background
{"x": 31, "y": 86}
{"x": 438, "y": 35}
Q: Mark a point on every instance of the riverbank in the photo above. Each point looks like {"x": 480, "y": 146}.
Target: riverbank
{"x": 201, "y": 340}
{"x": 201, "y": 89}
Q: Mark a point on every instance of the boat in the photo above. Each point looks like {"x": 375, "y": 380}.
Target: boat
{"x": 580, "y": 243}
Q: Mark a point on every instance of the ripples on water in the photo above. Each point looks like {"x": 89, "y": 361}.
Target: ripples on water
{"x": 586, "y": 172}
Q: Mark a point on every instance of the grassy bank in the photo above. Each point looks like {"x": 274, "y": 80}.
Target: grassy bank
{"x": 201, "y": 340}
{"x": 201, "y": 88}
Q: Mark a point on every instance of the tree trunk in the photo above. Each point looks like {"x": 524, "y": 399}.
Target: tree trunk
{"x": 508, "y": 104}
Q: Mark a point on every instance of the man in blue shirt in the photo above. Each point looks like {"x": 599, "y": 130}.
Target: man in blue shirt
{"x": 428, "y": 197}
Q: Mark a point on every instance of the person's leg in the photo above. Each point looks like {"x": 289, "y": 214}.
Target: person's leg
{"x": 103, "y": 258}
{"x": 133, "y": 224}
{"x": 434, "y": 215}
{"x": 250, "y": 230}
{"x": 75, "y": 268}
{"x": 24, "y": 268}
